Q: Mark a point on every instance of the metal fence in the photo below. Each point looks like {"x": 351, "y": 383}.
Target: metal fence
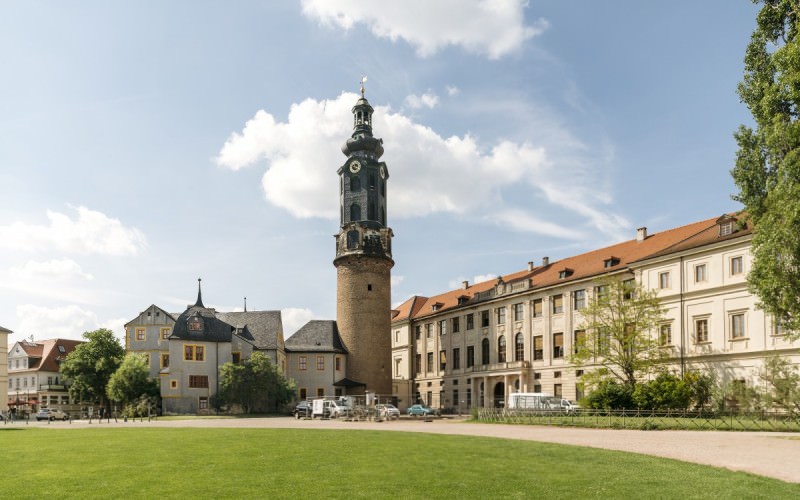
{"x": 646, "y": 419}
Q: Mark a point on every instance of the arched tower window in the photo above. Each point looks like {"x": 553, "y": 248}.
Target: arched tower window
{"x": 352, "y": 239}
{"x": 485, "y": 352}
{"x": 501, "y": 349}
{"x": 371, "y": 211}
{"x": 355, "y": 183}
{"x": 355, "y": 212}
{"x": 519, "y": 347}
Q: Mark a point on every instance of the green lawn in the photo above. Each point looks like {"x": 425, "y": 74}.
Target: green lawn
{"x": 298, "y": 463}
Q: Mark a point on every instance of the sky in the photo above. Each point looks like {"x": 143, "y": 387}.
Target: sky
{"x": 144, "y": 145}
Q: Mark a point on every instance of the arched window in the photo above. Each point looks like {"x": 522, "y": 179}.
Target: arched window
{"x": 355, "y": 212}
{"x": 371, "y": 211}
{"x": 355, "y": 183}
{"x": 352, "y": 239}
{"x": 501, "y": 349}
{"x": 485, "y": 352}
{"x": 519, "y": 347}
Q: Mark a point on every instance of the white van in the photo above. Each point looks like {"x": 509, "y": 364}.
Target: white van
{"x": 529, "y": 400}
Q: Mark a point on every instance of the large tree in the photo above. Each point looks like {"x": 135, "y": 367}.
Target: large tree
{"x": 767, "y": 170}
{"x": 256, "y": 385}
{"x": 132, "y": 380}
{"x": 90, "y": 366}
{"x": 620, "y": 323}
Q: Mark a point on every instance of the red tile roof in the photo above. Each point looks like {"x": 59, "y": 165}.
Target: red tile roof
{"x": 585, "y": 265}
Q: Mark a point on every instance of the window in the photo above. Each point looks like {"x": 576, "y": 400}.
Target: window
{"x": 725, "y": 228}
{"x": 164, "y": 360}
{"x": 397, "y": 336}
{"x": 501, "y": 349}
{"x": 193, "y": 352}
{"x": 418, "y": 364}
{"x": 355, "y": 183}
{"x": 557, "y": 390}
{"x": 519, "y": 347}
{"x": 558, "y": 304}
{"x": 518, "y": 312}
{"x": 337, "y": 361}
{"x": 302, "y": 363}
{"x": 737, "y": 326}
{"x": 165, "y": 332}
{"x": 485, "y": 352}
{"x": 603, "y": 340}
{"x": 663, "y": 280}
{"x": 456, "y": 326}
{"x": 456, "y": 358}
{"x": 564, "y": 273}
{"x": 236, "y": 357}
{"x": 428, "y": 330}
{"x": 484, "y": 319}
{"x": 429, "y": 364}
{"x": 140, "y": 334}
{"x": 442, "y": 360}
{"x": 665, "y": 334}
{"x": 537, "y": 308}
{"x": 628, "y": 289}
{"x": 173, "y": 384}
{"x": 320, "y": 363}
{"x": 610, "y": 262}
{"x": 355, "y": 211}
{"x": 470, "y": 321}
{"x": 538, "y": 347}
{"x": 443, "y": 327}
{"x": 600, "y": 292}
{"x": 777, "y": 327}
{"x": 501, "y": 315}
{"x": 397, "y": 363}
{"x": 470, "y": 356}
{"x": 417, "y": 332}
{"x": 303, "y": 393}
{"x": 198, "y": 381}
{"x": 202, "y": 403}
{"x": 700, "y": 273}
{"x": 578, "y": 299}
{"x": 701, "y": 330}
{"x": 579, "y": 340}
{"x": 558, "y": 345}
{"x": 737, "y": 266}
{"x": 195, "y": 324}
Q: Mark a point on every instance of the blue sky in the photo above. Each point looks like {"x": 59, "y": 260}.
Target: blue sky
{"x": 146, "y": 144}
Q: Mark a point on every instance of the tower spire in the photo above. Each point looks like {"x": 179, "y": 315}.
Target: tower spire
{"x": 245, "y": 304}
{"x": 199, "y": 302}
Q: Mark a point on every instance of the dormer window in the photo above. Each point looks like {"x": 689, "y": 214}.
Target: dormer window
{"x": 437, "y": 306}
{"x": 61, "y": 349}
{"x": 565, "y": 273}
{"x": 195, "y": 324}
{"x": 610, "y": 262}
{"x": 726, "y": 228}
{"x": 463, "y": 299}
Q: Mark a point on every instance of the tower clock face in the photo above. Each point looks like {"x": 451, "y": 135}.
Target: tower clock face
{"x": 355, "y": 166}
{"x": 383, "y": 172}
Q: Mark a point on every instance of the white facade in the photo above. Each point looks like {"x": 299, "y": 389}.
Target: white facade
{"x": 4, "y": 383}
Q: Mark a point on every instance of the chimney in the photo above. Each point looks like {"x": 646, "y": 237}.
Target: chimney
{"x": 545, "y": 261}
{"x": 530, "y": 266}
{"x": 465, "y": 284}
{"x": 641, "y": 234}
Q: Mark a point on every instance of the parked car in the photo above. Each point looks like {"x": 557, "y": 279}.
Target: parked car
{"x": 51, "y": 414}
{"x": 302, "y": 409}
{"x": 417, "y": 410}
{"x": 389, "y": 411}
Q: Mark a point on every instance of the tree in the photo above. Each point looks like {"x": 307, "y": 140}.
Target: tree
{"x": 132, "y": 380}
{"x": 90, "y": 366}
{"x": 254, "y": 384}
{"x": 783, "y": 384}
{"x": 665, "y": 392}
{"x": 619, "y": 322}
{"x": 767, "y": 170}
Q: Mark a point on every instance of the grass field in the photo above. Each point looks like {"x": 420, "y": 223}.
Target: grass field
{"x": 292, "y": 463}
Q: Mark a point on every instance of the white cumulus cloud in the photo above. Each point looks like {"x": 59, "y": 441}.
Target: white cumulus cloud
{"x": 426, "y": 100}
{"x": 61, "y": 269}
{"x": 504, "y": 185}
{"x": 294, "y": 318}
{"x": 67, "y": 322}
{"x": 87, "y": 232}
{"x": 452, "y": 90}
{"x": 491, "y": 27}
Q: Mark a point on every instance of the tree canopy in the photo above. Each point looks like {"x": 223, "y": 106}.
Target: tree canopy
{"x": 132, "y": 380}
{"x": 256, "y": 385}
{"x": 90, "y": 366}
{"x": 620, "y": 321}
{"x": 767, "y": 170}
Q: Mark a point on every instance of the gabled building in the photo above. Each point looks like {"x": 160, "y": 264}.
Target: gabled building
{"x": 317, "y": 360}
{"x": 475, "y": 345}
{"x": 34, "y": 376}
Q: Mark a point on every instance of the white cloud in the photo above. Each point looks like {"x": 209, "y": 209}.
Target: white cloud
{"x": 67, "y": 322}
{"x": 492, "y": 27}
{"x": 433, "y": 174}
{"x": 452, "y": 90}
{"x": 427, "y": 100}
{"x": 116, "y": 325}
{"x": 90, "y": 232}
{"x": 60, "y": 269}
{"x": 396, "y": 280}
{"x": 294, "y": 318}
{"x": 480, "y": 278}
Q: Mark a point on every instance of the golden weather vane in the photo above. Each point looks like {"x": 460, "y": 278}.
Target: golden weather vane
{"x": 363, "y": 79}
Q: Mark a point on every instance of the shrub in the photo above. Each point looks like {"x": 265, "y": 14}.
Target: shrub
{"x": 609, "y": 395}
{"x": 665, "y": 392}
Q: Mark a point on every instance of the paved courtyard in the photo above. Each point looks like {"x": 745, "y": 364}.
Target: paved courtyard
{"x": 769, "y": 454}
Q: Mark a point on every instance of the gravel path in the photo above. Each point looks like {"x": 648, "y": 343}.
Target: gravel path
{"x": 771, "y": 454}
